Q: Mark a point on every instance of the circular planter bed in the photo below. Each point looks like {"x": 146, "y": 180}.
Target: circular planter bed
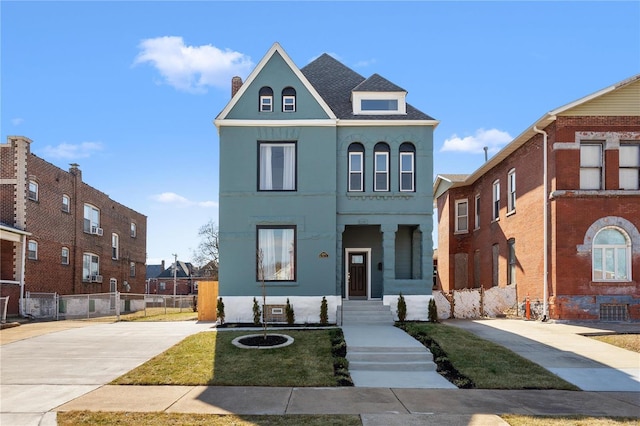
{"x": 258, "y": 341}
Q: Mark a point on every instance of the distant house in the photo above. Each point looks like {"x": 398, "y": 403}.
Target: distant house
{"x": 322, "y": 190}
{"x": 555, "y": 214}
{"x": 60, "y": 235}
{"x": 163, "y": 283}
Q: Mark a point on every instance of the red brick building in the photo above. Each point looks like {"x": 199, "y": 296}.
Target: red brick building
{"x": 563, "y": 197}
{"x": 59, "y": 234}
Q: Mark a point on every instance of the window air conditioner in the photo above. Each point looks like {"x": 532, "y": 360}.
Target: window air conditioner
{"x": 96, "y": 278}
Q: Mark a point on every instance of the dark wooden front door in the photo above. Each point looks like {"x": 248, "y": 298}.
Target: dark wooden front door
{"x": 358, "y": 274}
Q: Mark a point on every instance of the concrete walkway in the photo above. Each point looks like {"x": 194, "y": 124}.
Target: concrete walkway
{"x": 44, "y": 372}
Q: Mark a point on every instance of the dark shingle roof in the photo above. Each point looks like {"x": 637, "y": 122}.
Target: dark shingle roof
{"x": 334, "y": 82}
{"x": 153, "y": 270}
{"x": 377, "y": 83}
{"x": 184, "y": 270}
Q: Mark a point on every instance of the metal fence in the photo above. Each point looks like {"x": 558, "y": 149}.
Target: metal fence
{"x": 84, "y": 306}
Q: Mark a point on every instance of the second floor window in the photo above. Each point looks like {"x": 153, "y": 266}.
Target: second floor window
{"x": 115, "y": 246}
{"x": 277, "y": 164}
{"x": 356, "y": 167}
{"x": 477, "y": 212}
{"x": 91, "y": 220}
{"x": 381, "y": 160}
{"x": 511, "y": 189}
{"x": 591, "y": 166}
{"x": 511, "y": 272}
{"x": 132, "y": 269}
{"x": 32, "y": 252}
{"x": 90, "y": 267}
{"x": 462, "y": 216}
{"x": 33, "y": 190}
{"x": 496, "y": 200}
{"x": 64, "y": 256}
{"x": 407, "y": 167}
{"x": 133, "y": 230}
{"x": 66, "y": 203}
{"x": 266, "y": 99}
{"x": 629, "y": 166}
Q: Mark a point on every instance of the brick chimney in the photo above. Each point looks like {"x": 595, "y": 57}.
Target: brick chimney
{"x": 236, "y": 84}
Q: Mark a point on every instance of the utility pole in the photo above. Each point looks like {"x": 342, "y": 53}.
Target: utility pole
{"x": 175, "y": 272}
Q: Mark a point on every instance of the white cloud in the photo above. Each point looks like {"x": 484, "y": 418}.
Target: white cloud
{"x": 180, "y": 201}
{"x": 192, "y": 68}
{"x": 71, "y": 151}
{"x": 494, "y": 139}
{"x": 17, "y": 121}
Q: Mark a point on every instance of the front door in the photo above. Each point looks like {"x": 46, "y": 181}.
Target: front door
{"x": 357, "y": 275}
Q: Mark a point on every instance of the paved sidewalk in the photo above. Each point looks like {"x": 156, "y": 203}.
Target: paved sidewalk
{"x": 563, "y": 349}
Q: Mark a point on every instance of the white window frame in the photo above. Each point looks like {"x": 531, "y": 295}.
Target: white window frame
{"x": 496, "y": 200}
{"x": 614, "y": 249}
{"x": 353, "y": 172}
{"x": 90, "y": 267}
{"x": 33, "y": 190}
{"x": 459, "y": 216}
{"x": 266, "y": 103}
{"x": 512, "y": 261}
{"x": 288, "y": 103}
{"x": 587, "y": 168}
{"x": 378, "y": 172}
{"x": 134, "y": 230}
{"x": 64, "y": 259}
{"x": 477, "y": 212}
{"x": 629, "y": 163}
{"x": 511, "y": 191}
{"x": 411, "y": 172}
{"x": 66, "y": 203}
{"x": 115, "y": 246}
{"x": 32, "y": 250}
{"x": 265, "y": 180}
{"x": 358, "y": 97}
{"x": 132, "y": 269}
{"x": 91, "y": 217}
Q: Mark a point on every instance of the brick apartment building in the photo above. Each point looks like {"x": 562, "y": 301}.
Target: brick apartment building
{"x": 491, "y": 223}
{"x": 59, "y": 234}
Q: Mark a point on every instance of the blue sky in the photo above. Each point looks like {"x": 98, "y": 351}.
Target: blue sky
{"x": 129, "y": 90}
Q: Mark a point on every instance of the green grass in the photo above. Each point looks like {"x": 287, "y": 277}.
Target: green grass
{"x": 209, "y": 358}
{"x": 488, "y": 365}
{"x": 73, "y": 418}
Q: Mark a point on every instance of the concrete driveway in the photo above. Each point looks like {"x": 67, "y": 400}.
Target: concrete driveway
{"x": 40, "y": 373}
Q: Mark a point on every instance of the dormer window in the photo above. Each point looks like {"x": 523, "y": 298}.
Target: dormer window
{"x": 266, "y": 99}
{"x": 379, "y": 103}
{"x": 288, "y": 99}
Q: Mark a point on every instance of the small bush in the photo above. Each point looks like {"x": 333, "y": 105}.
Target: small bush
{"x": 256, "y": 312}
{"x": 339, "y": 349}
{"x": 220, "y": 310}
{"x": 291, "y": 317}
{"x": 324, "y": 316}
{"x": 402, "y": 308}
{"x": 433, "y": 310}
{"x": 340, "y": 363}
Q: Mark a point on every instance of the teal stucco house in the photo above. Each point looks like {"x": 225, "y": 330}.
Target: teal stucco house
{"x": 325, "y": 191}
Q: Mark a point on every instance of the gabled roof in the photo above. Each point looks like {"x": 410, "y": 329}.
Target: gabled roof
{"x": 184, "y": 270}
{"x": 377, "y": 83}
{"x": 275, "y": 49}
{"x": 334, "y": 82}
{"x": 530, "y": 131}
{"x": 446, "y": 181}
{"x": 153, "y": 271}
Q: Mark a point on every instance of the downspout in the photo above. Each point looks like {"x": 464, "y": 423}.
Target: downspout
{"x": 22, "y": 308}
{"x": 545, "y": 218}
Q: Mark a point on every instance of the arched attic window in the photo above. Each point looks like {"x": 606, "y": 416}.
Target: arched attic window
{"x": 265, "y": 103}
{"x": 288, "y": 99}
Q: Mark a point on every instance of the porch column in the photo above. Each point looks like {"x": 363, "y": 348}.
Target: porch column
{"x": 388, "y": 256}
{"x": 339, "y": 261}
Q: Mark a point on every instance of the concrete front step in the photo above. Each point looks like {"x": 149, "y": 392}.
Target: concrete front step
{"x": 365, "y": 312}
{"x": 391, "y": 366}
{"x": 389, "y": 357}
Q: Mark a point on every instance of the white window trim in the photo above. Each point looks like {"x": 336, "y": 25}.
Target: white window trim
{"x": 411, "y": 172}
{"x": 62, "y": 259}
{"x": 376, "y": 172}
{"x": 35, "y": 192}
{"x": 511, "y": 192}
{"x": 115, "y": 246}
{"x": 457, "y": 230}
{"x": 361, "y": 155}
{"x": 91, "y": 273}
{"x": 93, "y": 226}
{"x": 601, "y": 145}
{"x": 358, "y": 97}
{"x": 264, "y": 103}
{"x": 132, "y": 269}
{"x": 628, "y": 250}
{"x": 134, "y": 230}
{"x": 66, "y": 207}
{"x": 286, "y": 98}
{"x": 35, "y": 251}
{"x": 630, "y": 167}
{"x": 476, "y": 212}
{"x": 495, "y": 198}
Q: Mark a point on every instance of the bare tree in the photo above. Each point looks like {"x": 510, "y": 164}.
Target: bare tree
{"x": 206, "y": 255}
